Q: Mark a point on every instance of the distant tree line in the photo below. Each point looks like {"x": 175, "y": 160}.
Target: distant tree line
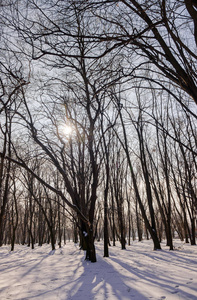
{"x": 98, "y": 122}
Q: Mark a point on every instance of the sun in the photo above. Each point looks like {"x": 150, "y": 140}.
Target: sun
{"x": 66, "y": 129}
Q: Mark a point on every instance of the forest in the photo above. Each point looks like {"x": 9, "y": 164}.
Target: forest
{"x": 98, "y": 114}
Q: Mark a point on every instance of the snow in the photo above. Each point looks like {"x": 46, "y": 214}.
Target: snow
{"x": 136, "y": 273}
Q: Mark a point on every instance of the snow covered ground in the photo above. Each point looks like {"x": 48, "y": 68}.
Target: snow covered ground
{"x": 136, "y": 273}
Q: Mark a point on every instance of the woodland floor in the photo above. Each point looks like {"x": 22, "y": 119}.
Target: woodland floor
{"x": 136, "y": 273}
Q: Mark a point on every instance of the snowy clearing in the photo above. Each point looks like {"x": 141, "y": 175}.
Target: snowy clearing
{"x": 135, "y": 273}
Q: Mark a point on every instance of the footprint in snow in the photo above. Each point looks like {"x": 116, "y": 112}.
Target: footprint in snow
{"x": 190, "y": 281}
{"x": 174, "y": 292}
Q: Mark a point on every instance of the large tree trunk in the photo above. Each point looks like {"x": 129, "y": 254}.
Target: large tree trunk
{"x": 87, "y": 241}
{"x": 90, "y": 252}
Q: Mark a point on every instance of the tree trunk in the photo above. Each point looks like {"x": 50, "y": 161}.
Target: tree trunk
{"x": 90, "y": 252}
{"x": 52, "y": 237}
{"x": 193, "y": 232}
{"x": 87, "y": 241}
